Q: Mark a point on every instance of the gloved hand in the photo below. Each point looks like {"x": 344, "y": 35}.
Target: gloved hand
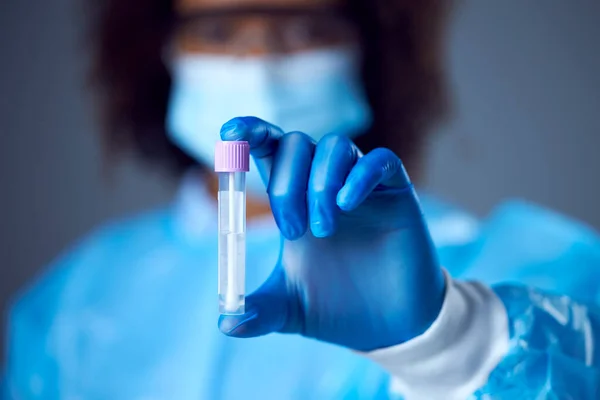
{"x": 357, "y": 266}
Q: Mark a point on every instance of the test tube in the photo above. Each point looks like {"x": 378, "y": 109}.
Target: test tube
{"x": 232, "y": 160}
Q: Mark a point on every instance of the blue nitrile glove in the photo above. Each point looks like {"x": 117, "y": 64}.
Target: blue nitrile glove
{"x": 357, "y": 266}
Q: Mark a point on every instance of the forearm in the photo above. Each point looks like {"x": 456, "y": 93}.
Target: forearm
{"x": 553, "y": 347}
{"x": 454, "y": 357}
{"x": 500, "y": 341}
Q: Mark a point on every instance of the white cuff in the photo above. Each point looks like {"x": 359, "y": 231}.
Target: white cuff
{"x": 456, "y": 355}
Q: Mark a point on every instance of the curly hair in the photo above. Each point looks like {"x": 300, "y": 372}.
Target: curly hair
{"x": 403, "y": 74}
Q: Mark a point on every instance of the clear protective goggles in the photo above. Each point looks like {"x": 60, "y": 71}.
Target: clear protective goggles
{"x": 260, "y": 30}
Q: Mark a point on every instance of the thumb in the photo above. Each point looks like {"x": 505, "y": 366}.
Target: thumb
{"x": 266, "y": 310}
{"x": 262, "y": 136}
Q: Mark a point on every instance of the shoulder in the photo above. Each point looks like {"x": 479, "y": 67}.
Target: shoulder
{"x": 533, "y": 245}
{"x": 532, "y": 233}
{"x": 106, "y": 246}
{"x": 101, "y": 295}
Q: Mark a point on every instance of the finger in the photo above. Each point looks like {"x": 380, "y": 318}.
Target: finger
{"x": 335, "y": 156}
{"x": 266, "y": 310}
{"x": 289, "y": 182}
{"x": 262, "y": 137}
{"x": 379, "y": 167}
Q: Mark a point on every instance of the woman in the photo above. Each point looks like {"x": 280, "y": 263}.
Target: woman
{"x": 338, "y": 248}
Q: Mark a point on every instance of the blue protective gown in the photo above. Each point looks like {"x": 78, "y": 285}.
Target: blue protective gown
{"x": 130, "y": 312}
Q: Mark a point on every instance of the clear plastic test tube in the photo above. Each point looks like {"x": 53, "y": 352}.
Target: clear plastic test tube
{"x": 232, "y": 160}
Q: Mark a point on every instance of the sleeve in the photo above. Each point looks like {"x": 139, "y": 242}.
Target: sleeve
{"x": 509, "y": 342}
{"x": 455, "y": 356}
{"x": 553, "y": 349}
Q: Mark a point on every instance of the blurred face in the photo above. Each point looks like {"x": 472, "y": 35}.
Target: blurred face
{"x": 294, "y": 63}
{"x": 261, "y": 27}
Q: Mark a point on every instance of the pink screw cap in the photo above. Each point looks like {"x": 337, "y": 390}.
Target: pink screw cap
{"x": 232, "y": 157}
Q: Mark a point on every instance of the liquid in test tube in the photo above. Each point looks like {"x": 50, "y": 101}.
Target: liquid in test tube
{"x": 232, "y": 160}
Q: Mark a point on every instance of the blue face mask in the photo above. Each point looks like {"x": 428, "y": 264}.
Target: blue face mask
{"x": 315, "y": 92}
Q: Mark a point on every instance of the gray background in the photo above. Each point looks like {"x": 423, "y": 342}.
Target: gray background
{"x": 526, "y": 82}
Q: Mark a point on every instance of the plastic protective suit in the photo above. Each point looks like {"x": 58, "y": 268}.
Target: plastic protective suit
{"x": 130, "y": 311}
